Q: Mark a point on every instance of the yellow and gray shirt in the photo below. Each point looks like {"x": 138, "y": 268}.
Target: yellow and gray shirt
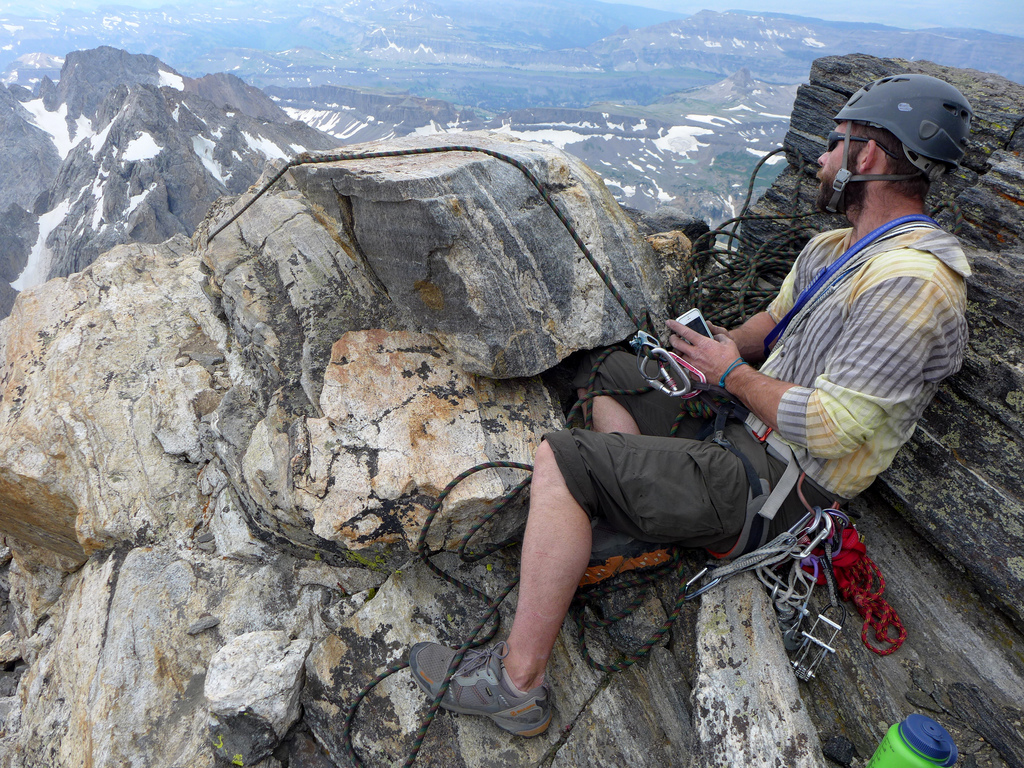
{"x": 867, "y": 356}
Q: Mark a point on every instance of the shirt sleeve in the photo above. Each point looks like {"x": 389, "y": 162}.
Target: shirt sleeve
{"x": 901, "y": 335}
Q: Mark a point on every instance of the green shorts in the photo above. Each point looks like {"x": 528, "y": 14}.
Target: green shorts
{"x": 666, "y": 489}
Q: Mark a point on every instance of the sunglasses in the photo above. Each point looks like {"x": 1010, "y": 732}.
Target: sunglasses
{"x": 837, "y": 136}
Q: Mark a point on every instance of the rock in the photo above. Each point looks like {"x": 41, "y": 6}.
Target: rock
{"x": 402, "y": 420}
{"x": 9, "y": 650}
{"x": 675, "y": 255}
{"x": 152, "y": 669}
{"x": 93, "y": 407}
{"x": 839, "y": 750}
{"x": 998, "y": 727}
{"x": 202, "y": 624}
{"x": 252, "y": 687}
{"x": 423, "y": 229}
{"x": 667, "y": 219}
{"x": 747, "y": 705}
{"x": 18, "y": 231}
{"x": 29, "y": 156}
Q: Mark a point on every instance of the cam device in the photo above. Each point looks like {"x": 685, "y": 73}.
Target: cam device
{"x": 694, "y": 320}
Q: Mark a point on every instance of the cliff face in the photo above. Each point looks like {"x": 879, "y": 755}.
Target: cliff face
{"x": 217, "y": 455}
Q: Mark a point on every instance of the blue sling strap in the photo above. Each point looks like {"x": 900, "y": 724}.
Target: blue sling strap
{"x": 808, "y": 293}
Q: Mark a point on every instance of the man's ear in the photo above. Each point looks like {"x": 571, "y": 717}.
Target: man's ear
{"x": 871, "y": 159}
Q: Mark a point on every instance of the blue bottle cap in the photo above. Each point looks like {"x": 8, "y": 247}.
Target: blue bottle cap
{"x": 929, "y": 738}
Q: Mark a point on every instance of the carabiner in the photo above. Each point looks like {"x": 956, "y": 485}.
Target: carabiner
{"x": 824, "y": 533}
{"x": 688, "y": 595}
{"x": 667, "y": 381}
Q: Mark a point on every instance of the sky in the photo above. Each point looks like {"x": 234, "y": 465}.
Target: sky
{"x": 1000, "y": 16}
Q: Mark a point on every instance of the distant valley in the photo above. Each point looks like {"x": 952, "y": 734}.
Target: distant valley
{"x": 108, "y": 145}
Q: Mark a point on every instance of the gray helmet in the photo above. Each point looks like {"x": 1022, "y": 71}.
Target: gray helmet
{"x": 930, "y": 117}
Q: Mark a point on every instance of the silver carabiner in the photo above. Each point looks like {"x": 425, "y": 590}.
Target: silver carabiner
{"x": 675, "y": 382}
{"x": 688, "y": 595}
{"x": 824, "y": 533}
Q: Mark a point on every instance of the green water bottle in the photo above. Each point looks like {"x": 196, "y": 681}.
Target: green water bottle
{"x": 917, "y": 742}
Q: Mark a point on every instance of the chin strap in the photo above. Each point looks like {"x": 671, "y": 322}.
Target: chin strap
{"x": 844, "y": 176}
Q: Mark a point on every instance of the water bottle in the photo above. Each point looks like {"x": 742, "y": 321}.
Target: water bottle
{"x": 917, "y": 742}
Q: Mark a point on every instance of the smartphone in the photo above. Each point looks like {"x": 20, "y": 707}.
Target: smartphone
{"x": 694, "y": 320}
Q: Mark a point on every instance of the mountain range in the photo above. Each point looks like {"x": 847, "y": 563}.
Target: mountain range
{"x": 123, "y": 148}
{"x": 101, "y": 146}
{"x": 496, "y": 57}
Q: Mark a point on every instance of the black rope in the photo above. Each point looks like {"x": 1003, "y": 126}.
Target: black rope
{"x": 307, "y": 159}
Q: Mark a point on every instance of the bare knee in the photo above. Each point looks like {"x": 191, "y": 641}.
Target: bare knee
{"x": 547, "y": 475}
{"x": 544, "y": 461}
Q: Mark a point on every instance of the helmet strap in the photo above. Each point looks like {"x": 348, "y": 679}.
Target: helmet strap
{"x": 844, "y": 176}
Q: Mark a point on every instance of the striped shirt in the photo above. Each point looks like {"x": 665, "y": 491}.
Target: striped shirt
{"x": 867, "y": 356}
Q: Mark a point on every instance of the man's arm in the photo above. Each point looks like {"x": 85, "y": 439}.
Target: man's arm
{"x": 761, "y": 394}
{"x": 750, "y": 336}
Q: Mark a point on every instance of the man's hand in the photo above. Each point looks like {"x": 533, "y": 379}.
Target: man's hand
{"x": 709, "y": 356}
{"x": 712, "y": 357}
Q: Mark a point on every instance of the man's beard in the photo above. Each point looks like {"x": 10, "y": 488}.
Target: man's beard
{"x": 852, "y": 196}
{"x": 825, "y": 191}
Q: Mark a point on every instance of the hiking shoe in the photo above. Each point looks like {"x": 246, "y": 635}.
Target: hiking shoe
{"x": 478, "y": 687}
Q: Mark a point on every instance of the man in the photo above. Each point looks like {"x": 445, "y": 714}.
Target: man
{"x": 853, "y": 366}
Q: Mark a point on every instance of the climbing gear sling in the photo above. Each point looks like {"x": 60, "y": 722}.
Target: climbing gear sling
{"x": 838, "y": 270}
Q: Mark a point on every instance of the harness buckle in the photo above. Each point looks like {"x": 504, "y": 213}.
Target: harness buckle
{"x": 758, "y": 429}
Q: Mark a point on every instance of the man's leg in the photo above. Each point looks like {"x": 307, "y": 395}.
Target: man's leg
{"x": 610, "y": 415}
{"x": 556, "y": 550}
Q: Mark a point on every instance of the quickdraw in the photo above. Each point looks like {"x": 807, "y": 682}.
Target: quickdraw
{"x": 782, "y": 565}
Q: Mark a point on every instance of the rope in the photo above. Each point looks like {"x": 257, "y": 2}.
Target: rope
{"x": 306, "y": 159}
{"x": 676, "y": 567}
{"x": 857, "y": 585}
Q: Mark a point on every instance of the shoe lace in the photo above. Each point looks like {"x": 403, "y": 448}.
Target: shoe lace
{"x": 477, "y": 658}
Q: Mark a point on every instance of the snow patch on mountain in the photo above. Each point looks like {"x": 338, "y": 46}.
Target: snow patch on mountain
{"x": 682, "y": 139}
{"x": 135, "y": 200}
{"x": 264, "y": 147}
{"x": 38, "y": 266}
{"x": 204, "y": 147}
{"x": 142, "y": 148}
{"x": 172, "y": 80}
{"x": 54, "y": 123}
